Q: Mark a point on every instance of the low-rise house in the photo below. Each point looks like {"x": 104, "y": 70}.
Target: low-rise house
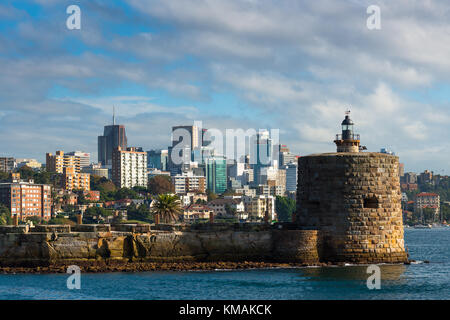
{"x": 92, "y": 195}
{"x": 196, "y": 211}
{"x": 228, "y": 207}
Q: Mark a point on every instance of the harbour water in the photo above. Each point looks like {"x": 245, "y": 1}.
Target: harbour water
{"x": 416, "y": 281}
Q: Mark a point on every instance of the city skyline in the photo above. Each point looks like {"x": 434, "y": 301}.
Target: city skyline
{"x": 162, "y": 66}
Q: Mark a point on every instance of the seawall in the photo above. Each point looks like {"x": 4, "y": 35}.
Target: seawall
{"x": 47, "y": 245}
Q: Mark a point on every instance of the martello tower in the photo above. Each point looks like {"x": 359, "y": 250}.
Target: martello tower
{"x": 353, "y": 199}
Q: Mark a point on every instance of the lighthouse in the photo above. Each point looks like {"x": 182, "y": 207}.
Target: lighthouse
{"x": 347, "y": 141}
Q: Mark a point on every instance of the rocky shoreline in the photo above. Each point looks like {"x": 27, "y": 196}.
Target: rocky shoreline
{"x": 102, "y": 267}
{"x": 114, "y": 266}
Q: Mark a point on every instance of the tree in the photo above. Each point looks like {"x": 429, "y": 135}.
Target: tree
{"x": 285, "y": 207}
{"x": 141, "y": 213}
{"x": 4, "y": 176}
{"x": 160, "y": 185}
{"x": 5, "y": 216}
{"x": 168, "y": 207}
{"x": 211, "y": 195}
{"x": 35, "y": 220}
{"x": 125, "y": 193}
{"x": 230, "y": 211}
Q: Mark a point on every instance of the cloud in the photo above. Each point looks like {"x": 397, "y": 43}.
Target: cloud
{"x": 293, "y": 65}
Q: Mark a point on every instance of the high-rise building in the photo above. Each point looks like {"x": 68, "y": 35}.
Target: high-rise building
{"x": 113, "y": 136}
{"x": 59, "y": 161}
{"x": 7, "y": 164}
{"x": 401, "y": 169}
{"x": 157, "y": 159}
{"x": 285, "y": 156}
{"x": 179, "y": 132}
{"x": 26, "y": 199}
{"x": 72, "y": 180}
{"x": 85, "y": 157}
{"x": 216, "y": 174}
{"x": 263, "y": 157}
{"x": 129, "y": 167}
{"x": 291, "y": 176}
{"x": 184, "y": 140}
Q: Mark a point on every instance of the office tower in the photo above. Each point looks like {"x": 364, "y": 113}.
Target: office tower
{"x": 216, "y": 174}
{"x": 291, "y": 176}
{"x": 157, "y": 159}
{"x": 7, "y": 164}
{"x": 401, "y": 169}
{"x": 59, "y": 161}
{"x": 179, "y": 132}
{"x": 113, "y": 136}
{"x": 85, "y": 158}
{"x": 26, "y": 199}
{"x": 285, "y": 156}
{"x": 263, "y": 157}
{"x": 129, "y": 167}
{"x": 72, "y": 180}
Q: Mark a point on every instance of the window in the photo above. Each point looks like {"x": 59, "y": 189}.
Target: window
{"x": 371, "y": 202}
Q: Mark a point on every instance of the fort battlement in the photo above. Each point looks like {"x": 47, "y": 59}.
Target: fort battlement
{"x": 354, "y": 201}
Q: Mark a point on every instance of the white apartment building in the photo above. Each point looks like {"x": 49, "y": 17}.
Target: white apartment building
{"x": 188, "y": 182}
{"x": 256, "y": 207}
{"x": 129, "y": 167}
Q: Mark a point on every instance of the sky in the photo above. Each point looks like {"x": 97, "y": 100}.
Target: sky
{"x": 296, "y": 66}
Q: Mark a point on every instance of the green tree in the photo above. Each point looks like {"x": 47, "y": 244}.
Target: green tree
{"x": 141, "y": 213}
{"x": 4, "y": 176}
{"x": 160, "y": 185}
{"x": 5, "y": 215}
{"x": 168, "y": 207}
{"x": 211, "y": 195}
{"x": 285, "y": 207}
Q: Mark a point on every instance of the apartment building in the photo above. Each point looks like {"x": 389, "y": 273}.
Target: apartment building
{"x": 85, "y": 157}
{"x": 26, "y": 199}
{"x": 129, "y": 167}
{"x": 59, "y": 161}
{"x": 256, "y": 207}
{"x": 188, "y": 182}
{"x": 72, "y": 180}
{"x": 7, "y": 164}
{"x": 427, "y": 200}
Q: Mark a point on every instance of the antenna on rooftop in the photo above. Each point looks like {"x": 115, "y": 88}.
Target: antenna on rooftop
{"x": 114, "y": 115}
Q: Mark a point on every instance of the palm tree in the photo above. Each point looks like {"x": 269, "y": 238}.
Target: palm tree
{"x": 167, "y": 206}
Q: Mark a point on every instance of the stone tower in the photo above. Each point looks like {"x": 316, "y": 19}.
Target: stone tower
{"x": 353, "y": 199}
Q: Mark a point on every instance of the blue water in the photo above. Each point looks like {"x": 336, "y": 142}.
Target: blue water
{"x": 416, "y": 281}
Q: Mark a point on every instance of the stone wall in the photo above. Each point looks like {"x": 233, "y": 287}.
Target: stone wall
{"x": 354, "y": 200}
{"x": 201, "y": 243}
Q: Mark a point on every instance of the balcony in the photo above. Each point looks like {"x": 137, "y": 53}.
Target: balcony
{"x": 348, "y": 137}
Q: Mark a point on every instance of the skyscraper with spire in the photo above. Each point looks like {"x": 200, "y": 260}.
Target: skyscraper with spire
{"x": 113, "y": 136}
